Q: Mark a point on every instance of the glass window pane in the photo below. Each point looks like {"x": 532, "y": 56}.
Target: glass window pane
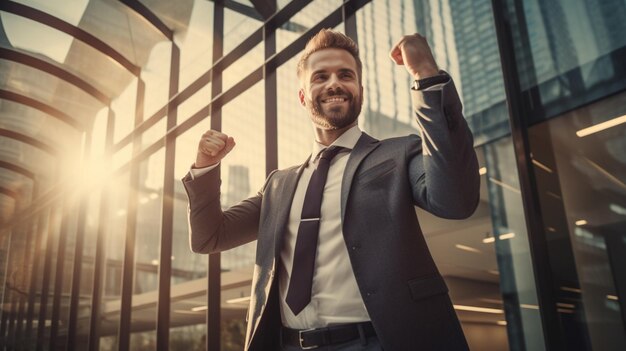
{"x": 48, "y": 89}
{"x": 192, "y": 337}
{"x": 176, "y": 14}
{"x": 17, "y": 182}
{"x": 243, "y": 175}
{"x": 567, "y": 53}
{"x": 43, "y": 164}
{"x": 64, "y": 251}
{"x": 244, "y": 65}
{"x": 70, "y": 13}
{"x": 195, "y": 103}
{"x": 148, "y": 227}
{"x": 120, "y": 27}
{"x": 156, "y": 77}
{"x": 91, "y": 232}
{"x": 517, "y": 280}
{"x": 189, "y": 270}
{"x": 123, "y": 107}
{"x": 149, "y": 194}
{"x": 122, "y": 156}
{"x": 61, "y": 49}
{"x": 15, "y": 251}
{"x": 303, "y": 20}
{"x": 294, "y": 126}
{"x": 39, "y": 126}
{"x": 115, "y": 229}
{"x": 49, "y": 264}
{"x": 189, "y": 266}
{"x": 237, "y": 27}
{"x": 581, "y": 185}
{"x": 154, "y": 133}
{"x": 196, "y": 45}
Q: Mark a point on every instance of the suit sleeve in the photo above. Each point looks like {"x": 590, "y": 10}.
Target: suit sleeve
{"x": 443, "y": 168}
{"x": 211, "y": 229}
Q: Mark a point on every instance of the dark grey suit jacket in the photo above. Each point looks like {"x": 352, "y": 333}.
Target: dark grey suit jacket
{"x": 405, "y": 296}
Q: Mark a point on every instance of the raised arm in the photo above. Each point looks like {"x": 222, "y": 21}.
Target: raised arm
{"x": 442, "y": 165}
{"x": 210, "y": 228}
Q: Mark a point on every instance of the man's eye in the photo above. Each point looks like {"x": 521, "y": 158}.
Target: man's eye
{"x": 319, "y": 77}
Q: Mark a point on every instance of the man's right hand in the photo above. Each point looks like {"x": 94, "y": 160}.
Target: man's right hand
{"x": 212, "y": 148}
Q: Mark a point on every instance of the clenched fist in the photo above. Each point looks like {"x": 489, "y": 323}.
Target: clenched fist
{"x": 413, "y": 52}
{"x": 212, "y": 148}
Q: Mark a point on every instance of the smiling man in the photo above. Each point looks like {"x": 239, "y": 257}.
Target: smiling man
{"x": 331, "y": 89}
{"x": 341, "y": 261}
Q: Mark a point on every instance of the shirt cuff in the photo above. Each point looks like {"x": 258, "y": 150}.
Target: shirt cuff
{"x": 435, "y": 87}
{"x": 197, "y": 172}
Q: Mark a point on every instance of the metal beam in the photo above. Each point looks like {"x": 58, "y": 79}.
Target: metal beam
{"x": 265, "y": 7}
{"x": 544, "y": 282}
{"x": 167, "y": 216}
{"x": 214, "y": 272}
{"x": 271, "y": 106}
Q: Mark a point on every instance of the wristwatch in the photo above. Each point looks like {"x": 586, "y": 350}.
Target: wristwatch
{"x": 421, "y": 84}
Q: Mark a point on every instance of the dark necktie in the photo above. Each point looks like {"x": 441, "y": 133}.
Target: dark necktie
{"x": 300, "y": 284}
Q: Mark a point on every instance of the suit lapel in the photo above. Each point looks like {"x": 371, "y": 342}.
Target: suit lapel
{"x": 363, "y": 147}
{"x": 284, "y": 200}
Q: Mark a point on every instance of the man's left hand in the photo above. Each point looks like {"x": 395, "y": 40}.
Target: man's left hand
{"x": 413, "y": 52}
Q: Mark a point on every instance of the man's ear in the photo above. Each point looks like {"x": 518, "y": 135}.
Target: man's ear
{"x": 301, "y": 97}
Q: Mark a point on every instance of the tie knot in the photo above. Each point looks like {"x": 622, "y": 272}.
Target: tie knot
{"x": 331, "y": 152}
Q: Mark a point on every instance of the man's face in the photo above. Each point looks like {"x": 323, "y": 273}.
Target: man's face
{"x": 331, "y": 89}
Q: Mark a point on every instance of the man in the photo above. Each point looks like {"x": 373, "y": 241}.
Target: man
{"x": 341, "y": 261}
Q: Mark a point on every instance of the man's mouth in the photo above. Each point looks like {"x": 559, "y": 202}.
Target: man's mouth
{"x": 334, "y": 99}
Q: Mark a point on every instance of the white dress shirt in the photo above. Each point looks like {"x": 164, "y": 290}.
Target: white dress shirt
{"x": 335, "y": 297}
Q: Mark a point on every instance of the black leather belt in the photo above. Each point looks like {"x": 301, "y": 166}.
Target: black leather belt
{"x": 336, "y": 334}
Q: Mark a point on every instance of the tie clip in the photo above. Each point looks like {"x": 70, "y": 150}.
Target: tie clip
{"x": 309, "y": 219}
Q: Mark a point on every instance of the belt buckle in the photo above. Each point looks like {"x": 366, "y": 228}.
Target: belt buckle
{"x": 301, "y": 339}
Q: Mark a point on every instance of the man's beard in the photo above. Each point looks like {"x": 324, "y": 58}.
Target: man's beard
{"x": 334, "y": 120}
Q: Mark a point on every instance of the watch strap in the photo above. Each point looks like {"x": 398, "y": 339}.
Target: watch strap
{"x": 425, "y": 83}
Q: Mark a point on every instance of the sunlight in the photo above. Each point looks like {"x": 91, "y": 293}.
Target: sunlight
{"x": 80, "y": 175}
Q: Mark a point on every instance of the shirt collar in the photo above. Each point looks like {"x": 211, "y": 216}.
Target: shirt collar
{"x": 348, "y": 140}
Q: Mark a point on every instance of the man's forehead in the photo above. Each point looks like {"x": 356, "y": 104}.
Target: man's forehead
{"x": 330, "y": 58}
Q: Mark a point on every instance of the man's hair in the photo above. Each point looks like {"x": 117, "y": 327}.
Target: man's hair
{"x": 330, "y": 39}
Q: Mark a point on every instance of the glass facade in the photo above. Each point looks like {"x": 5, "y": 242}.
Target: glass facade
{"x": 102, "y": 104}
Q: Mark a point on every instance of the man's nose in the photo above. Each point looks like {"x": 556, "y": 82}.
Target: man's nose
{"x": 333, "y": 82}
